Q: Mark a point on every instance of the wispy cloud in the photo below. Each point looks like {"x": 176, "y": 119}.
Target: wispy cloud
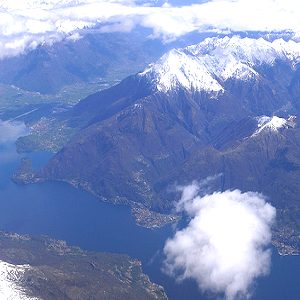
{"x": 10, "y": 131}
{"x": 224, "y": 246}
{"x": 26, "y": 24}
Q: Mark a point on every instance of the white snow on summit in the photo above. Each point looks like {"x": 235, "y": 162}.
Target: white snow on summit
{"x": 273, "y": 123}
{"x": 207, "y": 65}
{"x": 10, "y": 275}
{"x": 180, "y": 68}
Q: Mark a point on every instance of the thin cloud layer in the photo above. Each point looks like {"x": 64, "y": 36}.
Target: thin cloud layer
{"x": 26, "y": 24}
{"x": 224, "y": 246}
{"x": 11, "y": 131}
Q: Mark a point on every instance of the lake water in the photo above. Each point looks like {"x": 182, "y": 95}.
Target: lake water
{"x": 62, "y": 212}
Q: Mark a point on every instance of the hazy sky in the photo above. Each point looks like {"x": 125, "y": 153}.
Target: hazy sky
{"x": 28, "y": 23}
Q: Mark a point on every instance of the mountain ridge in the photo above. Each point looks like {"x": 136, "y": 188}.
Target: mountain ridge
{"x": 216, "y": 60}
{"x": 138, "y": 141}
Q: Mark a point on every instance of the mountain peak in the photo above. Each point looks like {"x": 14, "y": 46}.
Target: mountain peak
{"x": 207, "y": 65}
{"x": 178, "y": 68}
{"x": 274, "y": 123}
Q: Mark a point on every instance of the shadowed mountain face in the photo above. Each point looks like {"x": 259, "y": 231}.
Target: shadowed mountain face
{"x": 220, "y": 107}
{"x": 49, "y": 68}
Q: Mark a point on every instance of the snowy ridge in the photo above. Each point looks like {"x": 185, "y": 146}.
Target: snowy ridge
{"x": 178, "y": 68}
{"x": 207, "y": 65}
{"x": 273, "y": 123}
{"x": 10, "y": 275}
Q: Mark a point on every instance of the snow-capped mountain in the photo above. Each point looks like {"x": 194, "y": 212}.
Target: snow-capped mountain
{"x": 207, "y": 65}
{"x": 274, "y": 124}
{"x": 161, "y": 127}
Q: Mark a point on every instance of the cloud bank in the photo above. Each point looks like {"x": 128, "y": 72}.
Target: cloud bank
{"x": 26, "y": 24}
{"x": 224, "y": 246}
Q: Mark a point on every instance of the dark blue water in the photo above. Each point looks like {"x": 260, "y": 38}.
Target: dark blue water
{"x": 59, "y": 211}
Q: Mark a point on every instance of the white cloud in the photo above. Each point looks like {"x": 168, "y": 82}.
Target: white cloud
{"x": 25, "y": 24}
{"x": 224, "y": 246}
{"x": 11, "y": 131}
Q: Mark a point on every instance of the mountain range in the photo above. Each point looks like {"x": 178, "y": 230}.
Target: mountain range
{"x": 96, "y": 56}
{"x": 226, "y": 107}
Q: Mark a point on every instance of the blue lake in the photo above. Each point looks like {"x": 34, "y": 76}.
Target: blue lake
{"x": 62, "y": 212}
